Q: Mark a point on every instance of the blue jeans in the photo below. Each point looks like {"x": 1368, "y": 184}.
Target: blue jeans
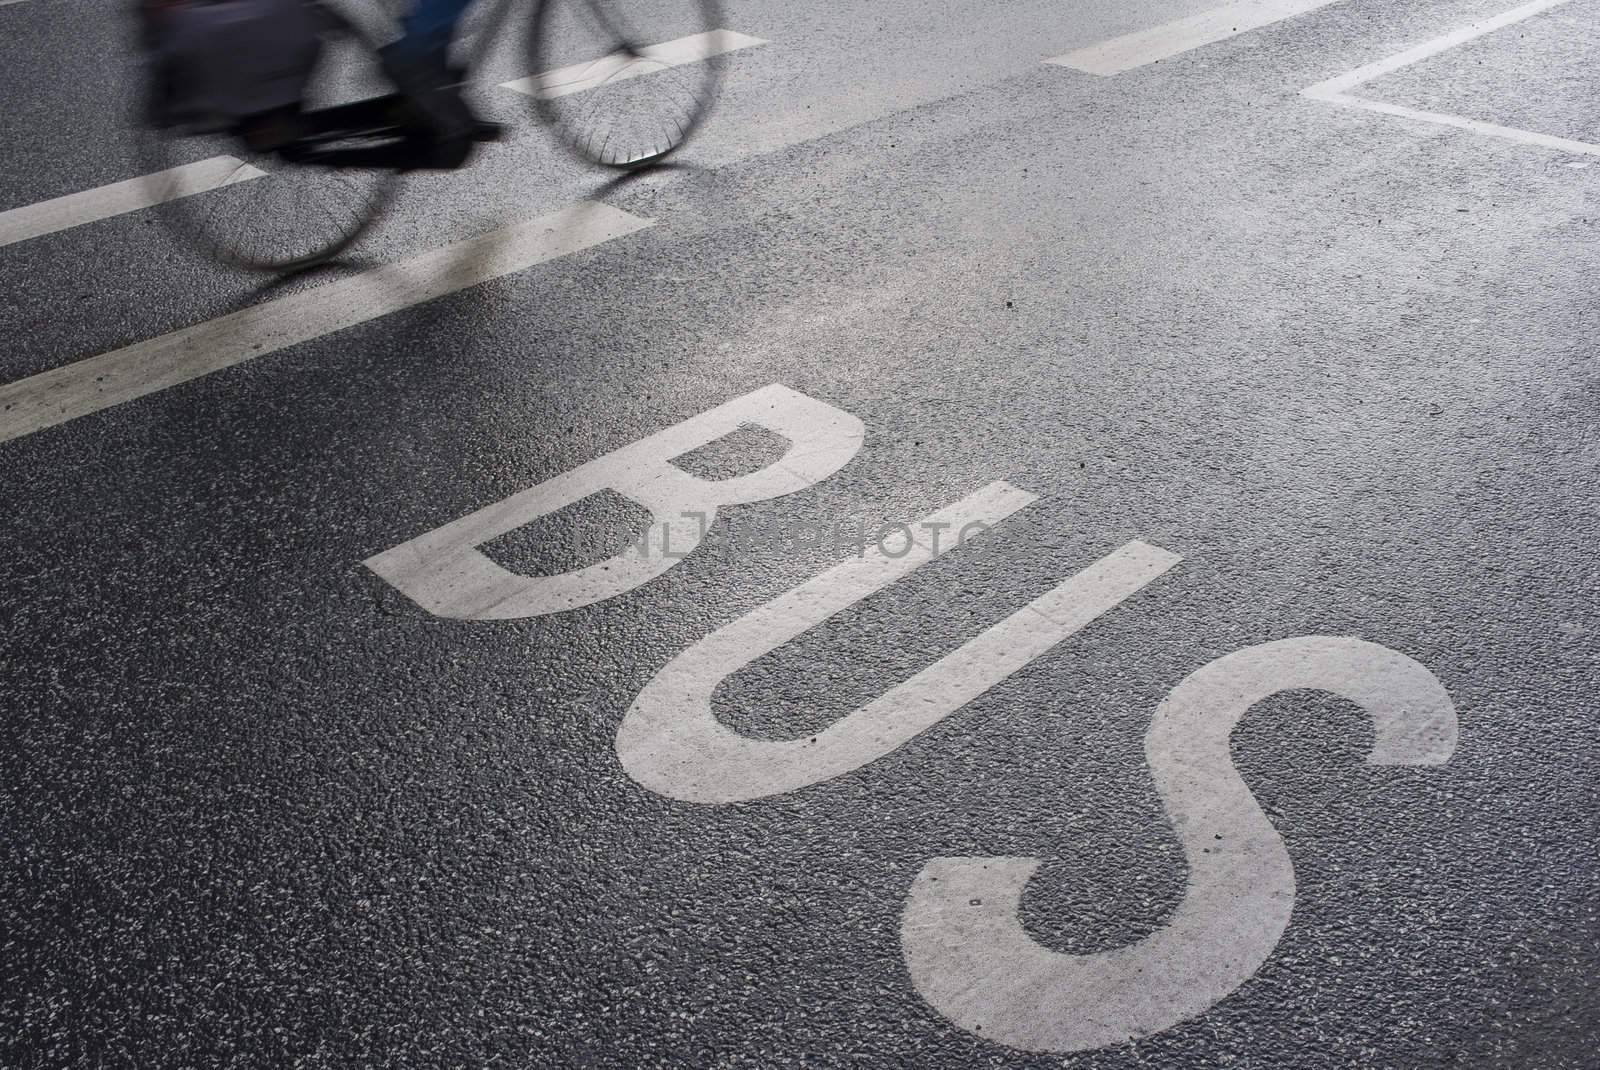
{"x": 431, "y": 25}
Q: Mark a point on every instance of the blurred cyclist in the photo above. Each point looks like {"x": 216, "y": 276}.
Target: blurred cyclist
{"x": 245, "y": 64}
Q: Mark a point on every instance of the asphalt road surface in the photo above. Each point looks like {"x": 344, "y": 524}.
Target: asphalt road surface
{"x": 1129, "y": 593}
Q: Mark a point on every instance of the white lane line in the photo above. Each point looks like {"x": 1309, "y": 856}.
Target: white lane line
{"x": 76, "y": 209}
{"x": 619, "y": 66}
{"x": 1346, "y": 82}
{"x": 1505, "y": 133}
{"x": 1337, "y": 90}
{"x": 3, "y": 3}
{"x": 87, "y": 386}
{"x": 1162, "y": 42}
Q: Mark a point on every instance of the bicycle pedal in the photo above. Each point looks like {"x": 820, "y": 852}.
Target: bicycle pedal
{"x": 424, "y": 153}
{"x": 486, "y": 130}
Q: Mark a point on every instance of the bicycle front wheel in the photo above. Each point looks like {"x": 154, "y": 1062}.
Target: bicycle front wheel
{"x": 625, "y": 82}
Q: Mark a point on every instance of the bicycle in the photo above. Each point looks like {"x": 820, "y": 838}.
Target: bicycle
{"x": 599, "y": 79}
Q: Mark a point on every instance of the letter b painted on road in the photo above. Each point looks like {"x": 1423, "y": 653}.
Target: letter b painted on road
{"x": 446, "y": 573}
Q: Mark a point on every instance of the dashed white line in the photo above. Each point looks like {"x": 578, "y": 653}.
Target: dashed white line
{"x": 620, "y": 66}
{"x": 1162, "y": 42}
{"x": 87, "y": 386}
{"x": 76, "y": 209}
{"x": 1337, "y": 90}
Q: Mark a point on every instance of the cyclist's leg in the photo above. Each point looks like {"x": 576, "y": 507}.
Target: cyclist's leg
{"x": 418, "y": 65}
{"x": 431, "y": 25}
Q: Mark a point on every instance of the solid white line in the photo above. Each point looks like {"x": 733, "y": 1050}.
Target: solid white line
{"x": 87, "y": 386}
{"x": 1336, "y": 90}
{"x": 1505, "y": 133}
{"x": 1346, "y": 82}
{"x": 76, "y": 209}
{"x": 620, "y": 66}
{"x": 1161, "y": 42}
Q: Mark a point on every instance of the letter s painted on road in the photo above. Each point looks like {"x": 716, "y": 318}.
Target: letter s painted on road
{"x": 970, "y": 957}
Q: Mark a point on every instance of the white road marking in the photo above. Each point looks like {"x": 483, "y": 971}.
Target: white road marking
{"x": 444, "y": 572}
{"x": 671, "y": 742}
{"x": 1337, "y": 90}
{"x": 76, "y": 209}
{"x": 1162, "y": 42}
{"x": 1345, "y": 82}
{"x": 87, "y": 386}
{"x": 620, "y": 66}
{"x": 970, "y": 957}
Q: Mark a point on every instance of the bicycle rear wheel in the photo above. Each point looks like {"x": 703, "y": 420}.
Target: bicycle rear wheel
{"x": 624, "y": 82}
{"x": 284, "y": 211}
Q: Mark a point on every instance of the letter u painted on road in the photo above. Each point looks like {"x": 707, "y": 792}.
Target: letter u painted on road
{"x": 445, "y": 573}
{"x": 970, "y": 957}
{"x": 671, "y": 742}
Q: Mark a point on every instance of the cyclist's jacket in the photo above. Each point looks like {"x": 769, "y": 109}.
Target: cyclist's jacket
{"x": 212, "y": 62}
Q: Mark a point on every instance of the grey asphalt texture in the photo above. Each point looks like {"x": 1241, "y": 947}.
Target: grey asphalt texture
{"x": 257, "y": 809}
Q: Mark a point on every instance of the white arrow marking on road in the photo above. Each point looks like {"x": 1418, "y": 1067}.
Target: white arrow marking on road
{"x": 1337, "y": 90}
{"x": 444, "y": 572}
{"x": 76, "y": 209}
{"x": 621, "y": 66}
{"x": 671, "y": 741}
{"x": 972, "y": 960}
{"x": 1162, "y": 42}
{"x": 87, "y": 386}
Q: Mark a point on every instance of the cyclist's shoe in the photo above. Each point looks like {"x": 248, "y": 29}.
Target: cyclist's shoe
{"x": 433, "y": 96}
{"x": 483, "y": 130}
